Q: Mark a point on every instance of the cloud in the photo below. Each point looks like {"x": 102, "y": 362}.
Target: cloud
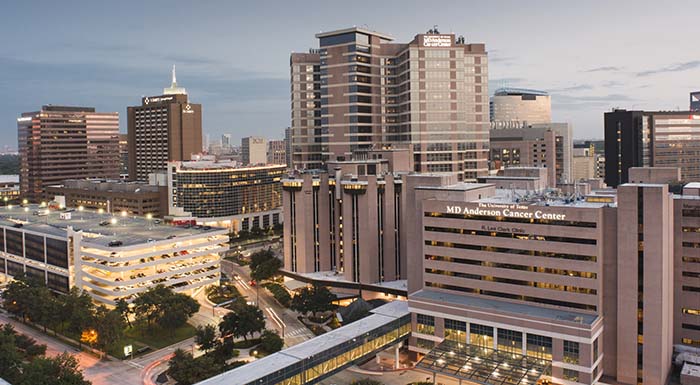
{"x": 577, "y": 87}
{"x": 612, "y": 83}
{"x": 678, "y": 67}
{"x": 604, "y": 69}
{"x": 586, "y": 102}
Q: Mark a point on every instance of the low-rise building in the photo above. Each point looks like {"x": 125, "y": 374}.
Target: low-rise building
{"x": 112, "y": 196}
{"x": 107, "y": 256}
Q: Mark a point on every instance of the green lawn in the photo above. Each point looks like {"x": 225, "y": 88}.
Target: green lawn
{"x": 157, "y": 338}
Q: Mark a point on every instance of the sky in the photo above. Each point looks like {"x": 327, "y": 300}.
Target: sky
{"x": 233, "y": 56}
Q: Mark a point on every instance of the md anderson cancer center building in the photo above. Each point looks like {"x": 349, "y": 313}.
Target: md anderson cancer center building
{"x": 518, "y": 286}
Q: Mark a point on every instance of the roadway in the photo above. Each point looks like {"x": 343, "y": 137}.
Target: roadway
{"x": 278, "y": 317}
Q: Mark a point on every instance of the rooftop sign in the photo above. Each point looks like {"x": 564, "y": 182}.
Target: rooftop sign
{"x": 437, "y": 41}
{"x": 504, "y": 210}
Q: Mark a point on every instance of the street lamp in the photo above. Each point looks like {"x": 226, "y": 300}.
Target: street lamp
{"x": 113, "y": 221}
{"x": 26, "y": 214}
{"x": 25, "y": 201}
{"x": 80, "y": 210}
{"x": 100, "y": 210}
{"x": 149, "y": 216}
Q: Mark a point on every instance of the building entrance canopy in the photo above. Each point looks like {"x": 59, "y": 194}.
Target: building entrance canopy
{"x": 483, "y": 365}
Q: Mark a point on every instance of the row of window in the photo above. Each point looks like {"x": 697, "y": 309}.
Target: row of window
{"x": 512, "y": 266}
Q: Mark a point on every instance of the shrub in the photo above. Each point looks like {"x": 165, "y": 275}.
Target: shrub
{"x": 280, "y": 293}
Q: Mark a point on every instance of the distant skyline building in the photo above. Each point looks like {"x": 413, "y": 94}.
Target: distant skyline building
{"x": 546, "y": 145}
{"x": 513, "y": 107}
{"x": 163, "y": 128}
{"x": 288, "y": 146}
{"x": 695, "y": 101}
{"x": 226, "y": 140}
{"x": 253, "y": 150}
{"x": 276, "y": 152}
{"x": 360, "y": 90}
{"x": 651, "y": 139}
{"x": 64, "y": 142}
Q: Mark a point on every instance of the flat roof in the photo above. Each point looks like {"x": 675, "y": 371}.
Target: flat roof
{"x": 496, "y": 305}
{"x": 528, "y": 198}
{"x": 287, "y": 357}
{"x": 130, "y": 230}
{"x": 353, "y": 29}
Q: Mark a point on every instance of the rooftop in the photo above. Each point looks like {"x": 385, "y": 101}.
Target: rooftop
{"x": 511, "y": 91}
{"x": 353, "y": 29}
{"x": 97, "y": 227}
{"x": 500, "y": 306}
{"x": 523, "y": 197}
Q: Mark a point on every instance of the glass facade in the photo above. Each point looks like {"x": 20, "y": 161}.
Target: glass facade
{"x": 328, "y": 362}
{"x": 228, "y": 191}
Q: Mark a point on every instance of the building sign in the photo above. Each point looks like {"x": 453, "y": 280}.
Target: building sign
{"x": 437, "y": 41}
{"x": 504, "y": 210}
{"x": 187, "y": 109}
{"x": 156, "y": 99}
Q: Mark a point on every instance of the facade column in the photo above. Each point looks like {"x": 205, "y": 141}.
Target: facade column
{"x": 495, "y": 338}
{"x": 468, "y": 335}
{"x": 396, "y": 357}
{"x": 524, "y": 344}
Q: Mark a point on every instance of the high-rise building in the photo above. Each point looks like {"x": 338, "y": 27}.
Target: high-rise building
{"x": 253, "y": 150}
{"x": 537, "y": 145}
{"x": 513, "y": 107}
{"x": 695, "y": 101}
{"x": 124, "y": 154}
{"x": 226, "y": 140}
{"x": 359, "y": 90}
{"x": 61, "y": 142}
{"x": 277, "y": 152}
{"x": 163, "y": 128}
{"x": 651, "y": 138}
{"x": 584, "y": 162}
{"x": 288, "y": 146}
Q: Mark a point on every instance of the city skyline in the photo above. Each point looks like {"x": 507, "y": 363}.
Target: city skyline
{"x": 236, "y": 65}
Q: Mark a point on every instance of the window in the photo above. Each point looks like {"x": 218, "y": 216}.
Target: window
{"x": 571, "y": 352}
{"x": 571, "y": 375}
{"x": 595, "y": 350}
{"x": 539, "y": 346}
{"x": 481, "y": 335}
{"x": 455, "y": 330}
{"x": 425, "y": 324}
{"x": 510, "y": 341}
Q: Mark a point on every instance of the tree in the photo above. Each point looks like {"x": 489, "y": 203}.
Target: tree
{"x": 176, "y": 310}
{"x": 187, "y": 370}
{"x": 17, "y": 298}
{"x": 109, "y": 325}
{"x": 10, "y": 357}
{"x": 59, "y": 370}
{"x": 43, "y": 307}
{"x": 79, "y": 311}
{"x": 313, "y": 300}
{"x": 162, "y": 306}
{"x": 271, "y": 342}
{"x": 123, "y": 308}
{"x": 205, "y": 337}
{"x": 243, "y": 321}
{"x": 264, "y": 265}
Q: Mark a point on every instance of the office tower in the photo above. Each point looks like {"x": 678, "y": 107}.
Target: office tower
{"x": 695, "y": 101}
{"x": 253, "y": 150}
{"x": 226, "y": 140}
{"x": 584, "y": 162}
{"x": 163, "y": 128}
{"x": 360, "y": 91}
{"x": 61, "y": 142}
{"x": 288, "y": 146}
{"x": 205, "y": 143}
{"x": 513, "y": 107}
{"x": 277, "y": 152}
{"x": 124, "y": 154}
{"x": 651, "y": 138}
{"x": 537, "y": 145}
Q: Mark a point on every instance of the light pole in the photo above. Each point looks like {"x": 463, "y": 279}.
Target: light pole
{"x": 149, "y": 216}
{"x": 80, "y": 210}
{"x": 26, "y": 214}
